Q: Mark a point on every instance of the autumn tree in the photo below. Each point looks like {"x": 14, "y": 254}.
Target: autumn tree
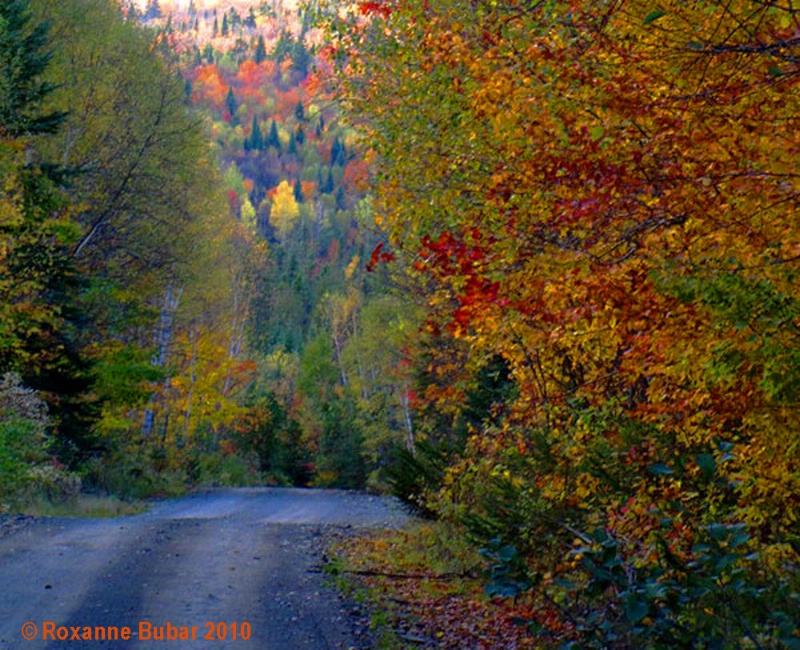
{"x": 97, "y": 265}
{"x": 603, "y": 196}
{"x": 284, "y": 211}
{"x": 35, "y": 227}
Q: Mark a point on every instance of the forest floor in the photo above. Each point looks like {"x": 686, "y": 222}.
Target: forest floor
{"x": 215, "y": 565}
{"x": 424, "y": 586}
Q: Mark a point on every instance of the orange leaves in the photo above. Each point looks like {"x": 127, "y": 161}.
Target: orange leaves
{"x": 356, "y": 175}
{"x": 252, "y": 79}
{"x": 608, "y": 202}
{"x": 209, "y": 86}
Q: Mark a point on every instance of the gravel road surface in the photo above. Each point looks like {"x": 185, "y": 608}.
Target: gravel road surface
{"x": 226, "y": 568}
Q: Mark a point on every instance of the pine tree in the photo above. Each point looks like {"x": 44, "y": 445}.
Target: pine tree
{"x": 153, "y": 10}
{"x": 301, "y": 57}
{"x": 261, "y": 50}
{"x": 131, "y": 12}
{"x": 298, "y": 191}
{"x": 272, "y": 139}
{"x": 283, "y": 46}
{"x": 23, "y": 60}
{"x": 225, "y": 24}
{"x": 328, "y": 185}
{"x": 336, "y": 150}
{"x": 231, "y": 104}
{"x": 38, "y": 277}
{"x": 256, "y": 140}
{"x": 299, "y": 112}
{"x": 341, "y": 198}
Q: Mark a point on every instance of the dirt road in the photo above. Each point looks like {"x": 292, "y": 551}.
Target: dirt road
{"x": 228, "y": 568}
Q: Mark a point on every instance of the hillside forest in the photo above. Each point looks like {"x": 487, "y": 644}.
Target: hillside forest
{"x": 530, "y": 266}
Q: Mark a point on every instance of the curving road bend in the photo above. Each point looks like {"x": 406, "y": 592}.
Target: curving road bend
{"x": 222, "y": 569}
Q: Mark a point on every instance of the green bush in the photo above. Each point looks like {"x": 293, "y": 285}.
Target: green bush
{"x": 722, "y": 597}
{"x": 217, "y": 469}
{"x": 21, "y": 448}
{"x": 27, "y": 470}
{"x": 415, "y": 475}
{"x": 134, "y": 476}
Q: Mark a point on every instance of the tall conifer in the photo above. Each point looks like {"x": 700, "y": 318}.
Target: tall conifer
{"x": 23, "y": 59}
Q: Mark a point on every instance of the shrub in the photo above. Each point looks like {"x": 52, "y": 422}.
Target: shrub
{"x": 27, "y": 471}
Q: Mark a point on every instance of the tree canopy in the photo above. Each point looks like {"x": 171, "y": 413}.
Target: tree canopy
{"x": 604, "y": 196}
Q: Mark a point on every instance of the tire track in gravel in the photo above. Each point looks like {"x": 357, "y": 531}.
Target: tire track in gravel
{"x": 227, "y": 561}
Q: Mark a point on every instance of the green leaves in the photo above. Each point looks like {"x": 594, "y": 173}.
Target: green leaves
{"x": 636, "y": 607}
{"x": 653, "y": 16}
{"x": 507, "y": 575}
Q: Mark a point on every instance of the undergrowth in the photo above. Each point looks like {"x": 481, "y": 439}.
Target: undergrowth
{"x": 425, "y": 588}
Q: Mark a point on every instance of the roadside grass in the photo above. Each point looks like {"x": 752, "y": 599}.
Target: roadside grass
{"x": 424, "y": 588}
{"x": 85, "y": 505}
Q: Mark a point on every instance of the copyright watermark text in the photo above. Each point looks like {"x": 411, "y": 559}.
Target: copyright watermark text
{"x": 143, "y": 631}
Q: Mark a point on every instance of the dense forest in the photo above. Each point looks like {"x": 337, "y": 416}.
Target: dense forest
{"x": 186, "y": 287}
{"x": 531, "y": 266}
{"x": 113, "y": 219}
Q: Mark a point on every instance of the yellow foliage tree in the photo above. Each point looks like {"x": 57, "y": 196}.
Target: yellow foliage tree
{"x": 285, "y": 210}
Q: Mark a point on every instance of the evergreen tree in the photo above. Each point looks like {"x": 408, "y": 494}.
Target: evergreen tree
{"x": 153, "y": 10}
{"x": 225, "y": 24}
{"x": 341, "y": 198}
{"x": 250, "y": 21}
{"x": 299, "y": 112}
{"x": 256, "y": 141}
{"x": 336, "y": 150}
{"x": 38, "y": 278}
{"x": 283, "y": 46}
{"x": 298, "y": 191}
{"x": 301, "y": 57}
{"x": 328, "y": 186}
{"x": 300, "y": 135}
{"x": 131, "y": 12}
{"x": 231, "y": 104}
{"x": 23, "y": 59}
{"x": 261, "y": 50}
{"x": 272, "y": 139}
